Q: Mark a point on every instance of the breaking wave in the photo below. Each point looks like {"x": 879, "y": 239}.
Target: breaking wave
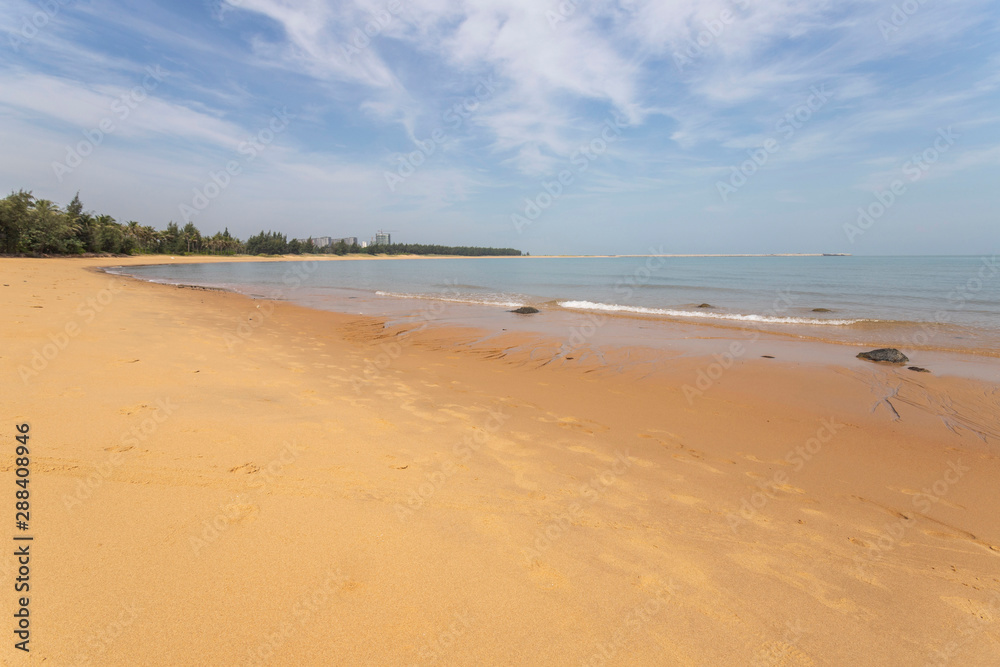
{"x": 670, "y": 312}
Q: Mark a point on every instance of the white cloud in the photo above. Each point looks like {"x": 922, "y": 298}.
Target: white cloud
{"x": 132, "y": 111}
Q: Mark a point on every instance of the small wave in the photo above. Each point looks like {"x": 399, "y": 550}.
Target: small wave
{"x": 669, "y": 312}
{"x": 470, "y": 301}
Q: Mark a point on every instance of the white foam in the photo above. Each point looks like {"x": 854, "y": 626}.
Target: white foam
{"x": 669, "y": 312}
{"x": 470, "y": 301}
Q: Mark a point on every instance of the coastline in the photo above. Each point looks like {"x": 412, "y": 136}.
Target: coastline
{"x": 480, "y": 498}
{"x": 930, "y": 341}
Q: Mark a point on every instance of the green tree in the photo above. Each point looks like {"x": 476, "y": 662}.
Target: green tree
{"x": 49, "y": 230}
{"x": 75, "y": 208}
{"x": 110, "y": 236}
{"x": 172, "y": 241}
{"x": 269, "y": 243}
{"x": 15, "y": 211}
{"x": 192, "y": 237}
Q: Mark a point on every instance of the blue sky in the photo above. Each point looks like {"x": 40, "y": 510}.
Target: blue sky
{"x": 688, "y": 126}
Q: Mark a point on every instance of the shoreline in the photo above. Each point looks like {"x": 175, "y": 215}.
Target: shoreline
{"x": 861, "y": 335}
{"x": 474, "y": 499}
{"x": 305, "y": 256}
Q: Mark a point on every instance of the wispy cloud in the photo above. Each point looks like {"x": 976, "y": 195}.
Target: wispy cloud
{"x": 695, "y": 83}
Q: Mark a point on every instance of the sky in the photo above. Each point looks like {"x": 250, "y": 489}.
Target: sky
{"x": 562, "y": 127}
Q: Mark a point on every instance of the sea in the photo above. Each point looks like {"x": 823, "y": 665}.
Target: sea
{"x": 932, "y": 303}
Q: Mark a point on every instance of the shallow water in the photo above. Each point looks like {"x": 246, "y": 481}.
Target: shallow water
{"x": 943, "y": 303}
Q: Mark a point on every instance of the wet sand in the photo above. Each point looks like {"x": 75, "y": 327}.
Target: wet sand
{"x": 222, "y": 480}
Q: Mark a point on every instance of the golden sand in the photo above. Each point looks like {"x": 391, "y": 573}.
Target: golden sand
{"x": 222, "y": 481}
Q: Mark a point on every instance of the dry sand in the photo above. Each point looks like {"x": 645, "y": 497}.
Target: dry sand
{"x": 222, "y": 481}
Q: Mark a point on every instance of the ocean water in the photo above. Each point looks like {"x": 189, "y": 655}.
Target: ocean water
{"x": 952, "y": 302}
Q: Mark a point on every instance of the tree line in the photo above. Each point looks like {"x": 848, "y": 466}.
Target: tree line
{"x": 30, "y": 226}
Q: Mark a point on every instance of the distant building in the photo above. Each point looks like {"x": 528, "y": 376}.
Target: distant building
{"x": 321, "y": 242}
{"x": 382, "y": 238}
{"x": 364, "y": 244}
{"x": 318, "y": 241}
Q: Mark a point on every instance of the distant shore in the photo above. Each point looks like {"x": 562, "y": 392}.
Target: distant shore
{"x": 328, "y": 257}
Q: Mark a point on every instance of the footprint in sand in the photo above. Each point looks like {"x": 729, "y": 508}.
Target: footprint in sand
{"x": 960, "y": 534}
{"x": 241, "y": 512}
{"x": 667, "y": 440}
{"x": 912, "y": 492}
{"x": 888, "y": 510}
{"x": 572, "y": 423}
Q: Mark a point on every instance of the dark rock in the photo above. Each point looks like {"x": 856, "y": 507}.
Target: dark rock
{"x": 885, "y": 355}
{"x": 918, "y": 369}
{"x": 525, "y": 310}
{"x": 706, "y": 305}
{"x": 822, "y": 310}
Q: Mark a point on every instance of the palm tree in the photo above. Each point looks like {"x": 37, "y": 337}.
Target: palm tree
{"x": 149, "y": 238}
{"x": 191, "y": 236}
{"x": 49, "y": 228}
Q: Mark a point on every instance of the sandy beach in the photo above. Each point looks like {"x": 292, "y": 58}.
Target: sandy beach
{"x": 217, "y": 480}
